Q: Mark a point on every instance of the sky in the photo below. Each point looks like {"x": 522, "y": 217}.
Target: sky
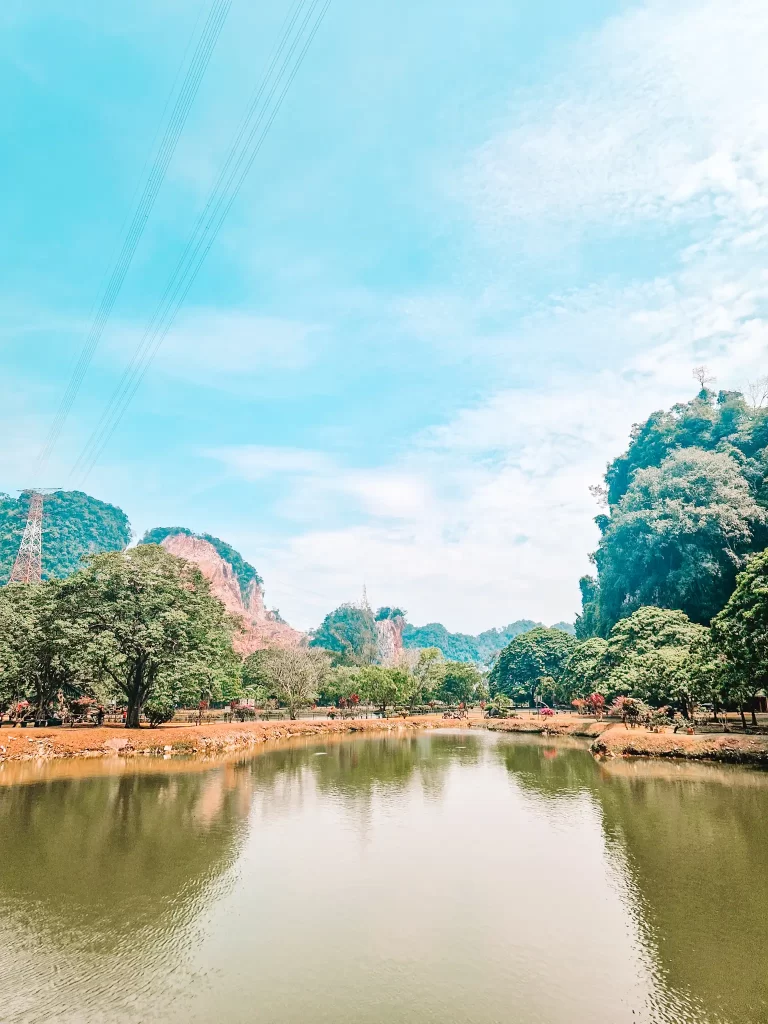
{"x": 479, "y": 243}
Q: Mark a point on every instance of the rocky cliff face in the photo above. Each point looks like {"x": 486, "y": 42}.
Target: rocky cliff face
{"x": 260, "y": 628}
{"x": 389, "y": 634}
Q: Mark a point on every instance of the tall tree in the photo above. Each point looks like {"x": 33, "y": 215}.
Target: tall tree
{"x": 293, "y": 676}
{"x": 36, "y": 645}
{"x": 461, "y": 682}
{"x": 146, "y": 620}
{"x": 383, "y": 687}
{"x": 655, "y": 654}
{"x": 585, "y": 670}
{"x": 740, "y": 633}
{"x": 528, "y": 662}
{"x": 426, "y": 676}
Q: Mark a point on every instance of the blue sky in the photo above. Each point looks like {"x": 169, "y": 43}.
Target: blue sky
{"x": 480, "y": 241}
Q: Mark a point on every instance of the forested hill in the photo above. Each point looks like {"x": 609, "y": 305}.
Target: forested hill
{"x": 245, "y": 572}
{"x": 685, "y": 505}
{"x": 464, "y": 647}
{"x": 74, "y": 525}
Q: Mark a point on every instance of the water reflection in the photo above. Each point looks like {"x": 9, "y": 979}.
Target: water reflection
{"x": 696, "y": 844}
{"x": 448, "y": 877}
{"x": 101, "y": 876}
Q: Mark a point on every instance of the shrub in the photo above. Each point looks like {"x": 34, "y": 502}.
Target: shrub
{"x": 243, "y": 712}
{"x": 159, "y": 710}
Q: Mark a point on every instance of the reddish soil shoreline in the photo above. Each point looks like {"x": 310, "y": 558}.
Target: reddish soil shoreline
{"x": 216, "y": 738}
{"x": 730, "y": 748}
{"x": 222, "y": 739}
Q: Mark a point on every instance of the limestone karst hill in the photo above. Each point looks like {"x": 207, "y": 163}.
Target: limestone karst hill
{"x": 262, "y": 628}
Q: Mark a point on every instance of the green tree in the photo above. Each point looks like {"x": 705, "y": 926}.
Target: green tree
{"x": 426, "y": 676}
{"x": 527, "y": 660}
{"x": 74, "y": 525}
{"x": 36, "y": 646}
{"x": 656, "y": 655}
{"x": 340, "y": 683}
{"x": 383, "y": 687}
{"x": 349, "y": 633}
{"x": 461, "y": 682}
{"x": 740, "y": 634}
{"x": 677, "y": 537}
{"x": 584, "y": 671}
{"x": 146, "y": 621}
{"x": 588, "y": 623}
{"x": 294, "y": 676}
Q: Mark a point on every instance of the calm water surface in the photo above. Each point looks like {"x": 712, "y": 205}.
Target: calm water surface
{"x": 449, "y": 877}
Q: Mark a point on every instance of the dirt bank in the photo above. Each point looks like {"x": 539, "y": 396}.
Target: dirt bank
{"x": 214, "y": 739}
{"x": 557, "y": 725}
{"x": 730, "y": 748}
{"x": 221, "y": 739}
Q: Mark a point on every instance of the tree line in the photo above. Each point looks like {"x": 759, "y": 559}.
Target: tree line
{"x": 142, "y": 630}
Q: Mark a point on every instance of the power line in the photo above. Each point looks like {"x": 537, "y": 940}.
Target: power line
{"x": 257, "y": 123}
{"x": 206, "y": 229}
{"x": 185, "y": 97}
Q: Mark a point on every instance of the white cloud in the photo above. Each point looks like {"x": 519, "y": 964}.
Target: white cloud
{"x": 661, "y": 115}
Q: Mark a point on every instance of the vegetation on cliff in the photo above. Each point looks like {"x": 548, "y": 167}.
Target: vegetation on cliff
{"x": 686, "y": 505}
{"x": 349, "y": 634}
{"x": 74, "y": 525}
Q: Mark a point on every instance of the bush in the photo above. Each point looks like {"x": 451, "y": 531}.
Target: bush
{"x": 159, "y": 710}
{"x": 499, "y": 707}
{"x": 243, "y": 712}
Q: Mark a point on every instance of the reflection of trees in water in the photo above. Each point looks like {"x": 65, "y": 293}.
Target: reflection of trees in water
{"x": 547, "y": 768}
{"x": 356, "y": 771}
{"x": 107, "y": 856}
{"x": 698, "y": 856}
{"x": 690, "y": 844}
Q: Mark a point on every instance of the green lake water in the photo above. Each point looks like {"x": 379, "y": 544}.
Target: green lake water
{"x": 446, "y": 877}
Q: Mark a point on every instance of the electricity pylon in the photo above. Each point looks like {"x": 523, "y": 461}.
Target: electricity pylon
{"x": 28, "y": 567}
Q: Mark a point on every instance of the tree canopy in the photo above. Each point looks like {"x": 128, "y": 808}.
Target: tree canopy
{"x": 145, "y": 621}
{"x": 530, "y": 662}
{"x": 585, "y": 670}
{"x": 676, "y": 538}
{"x": 740, "y": 632}
{"x": 294, "y": 677}
{"x": 656, "y": 655}
{"x": 384, "y": 687}
{"x": 37, "y": 656}
{"x": 74, "y": 525}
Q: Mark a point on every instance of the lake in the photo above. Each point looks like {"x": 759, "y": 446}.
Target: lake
{"x": 444, "y": 877}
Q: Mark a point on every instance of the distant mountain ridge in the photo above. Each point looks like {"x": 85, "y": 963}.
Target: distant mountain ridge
{"x": 481, "y": 648}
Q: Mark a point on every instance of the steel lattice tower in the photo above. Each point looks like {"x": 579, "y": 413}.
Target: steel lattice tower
{"x": 28, "y": 567}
